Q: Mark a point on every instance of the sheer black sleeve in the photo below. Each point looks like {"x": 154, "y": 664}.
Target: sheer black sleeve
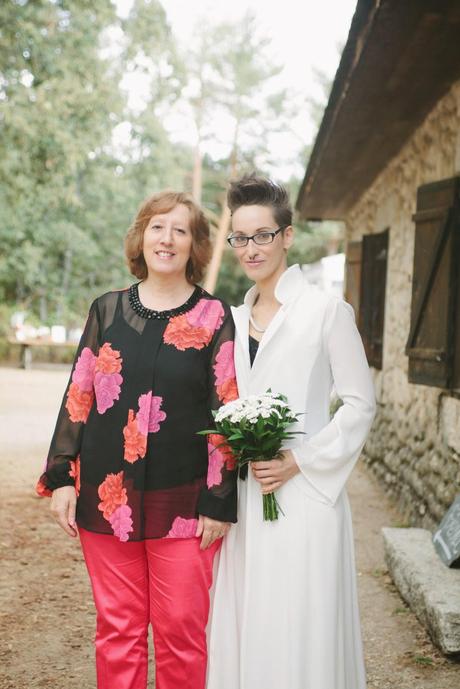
{"x": 218, "y": 500}
{"x": 76, "y": 405}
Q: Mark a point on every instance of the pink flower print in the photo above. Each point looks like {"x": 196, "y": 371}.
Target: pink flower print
{"x": 107, "y": 389}
{"x": 157, "y": 415}
{"x": 83, "y": 374}
{"x": 143, "y": 415}
{"x": 224, "y": 370}
{"x": 121, "y": 522}
{"x": 215, "y": 463}
{"x": 208, "y": 313}
{"x": 150, "y": 415}
{"x": 183, "y": 528}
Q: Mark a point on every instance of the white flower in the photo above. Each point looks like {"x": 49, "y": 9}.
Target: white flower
{"x": 251, "y": 408}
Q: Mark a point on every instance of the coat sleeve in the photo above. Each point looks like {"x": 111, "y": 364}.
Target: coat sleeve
{"x": 218, "y": 499}
{"x": 77, "y": 402}
{"x": 328, "y": 457}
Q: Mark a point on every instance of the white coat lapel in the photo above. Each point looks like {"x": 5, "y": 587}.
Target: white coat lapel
{"x": 288, "y": 287}
{"x": 241, "y": 319}
{"x": 272, "y": 329}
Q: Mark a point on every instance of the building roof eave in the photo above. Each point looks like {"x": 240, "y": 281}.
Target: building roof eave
{"x": 399, "y": 60}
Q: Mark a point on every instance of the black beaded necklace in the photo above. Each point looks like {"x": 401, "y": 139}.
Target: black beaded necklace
{"x": 144, "y": 312}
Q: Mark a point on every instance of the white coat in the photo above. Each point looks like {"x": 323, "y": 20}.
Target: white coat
{"x": 285, "y": 613}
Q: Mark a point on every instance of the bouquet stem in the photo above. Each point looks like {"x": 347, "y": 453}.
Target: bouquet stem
{"x": 270, "y": 507}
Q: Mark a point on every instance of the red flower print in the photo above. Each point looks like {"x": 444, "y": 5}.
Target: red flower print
{"x": 150, "y": 415}
{"x": 78, "y": 403}
{"x": 184, "y": 336}
{"x": 183, "y": 528}
{"x": 74, "y": 472}
{"x": 135, "y": 441}
{"x": 208, "y": 313}
{"x": 112, "y": 494}
{"x": 220, "y": 454}
{"x": 121, "y": 522}
{"x": 108, "y": 359}
{"x": 224, "y": 370}
{"x": 107, "y": 389}
{"x": 42, "y": 490}
{"x": 219, "y": 441}
{"x": 83, "y": 374}
{"x": 228, "y": 391}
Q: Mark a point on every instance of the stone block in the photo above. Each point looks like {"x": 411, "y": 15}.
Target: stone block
{"x": 431, "y": 589}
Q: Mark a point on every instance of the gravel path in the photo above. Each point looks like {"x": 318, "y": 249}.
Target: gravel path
{"x": 46, "y": 613}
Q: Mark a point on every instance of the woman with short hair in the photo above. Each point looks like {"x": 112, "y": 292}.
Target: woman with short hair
{"x": 285, "y": 612}
{"x": 126, "y": 464}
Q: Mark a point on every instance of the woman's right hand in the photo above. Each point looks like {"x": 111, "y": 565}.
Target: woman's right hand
{"x": 63, "y": 506}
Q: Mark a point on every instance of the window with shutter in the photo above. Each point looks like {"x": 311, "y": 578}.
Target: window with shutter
{"x": 353, "y": 275}
{"x": 372, "y": 295}
{"x": 434, "y": 337}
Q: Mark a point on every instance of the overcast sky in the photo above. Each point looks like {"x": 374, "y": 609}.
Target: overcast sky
{"x": 305, "y": 35}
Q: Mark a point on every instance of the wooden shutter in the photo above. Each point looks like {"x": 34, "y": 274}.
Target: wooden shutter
{"x": 353, "y": 275}
{"x": 431, "y": 341}
{"x": 455, "y": 286}
{"x": 372, "y": 295}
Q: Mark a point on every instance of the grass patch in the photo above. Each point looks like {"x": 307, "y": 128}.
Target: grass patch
{"x": 400, "y": 525}
{"x": 400, "y": 611}
{"x": 423, "y": 660}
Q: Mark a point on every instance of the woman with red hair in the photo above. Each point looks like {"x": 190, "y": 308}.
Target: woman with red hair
{"x": 126, "y": 464}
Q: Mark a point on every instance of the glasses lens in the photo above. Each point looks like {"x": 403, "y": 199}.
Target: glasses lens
{"x": 238, "y": 241}
{"x": 263, "y": 238}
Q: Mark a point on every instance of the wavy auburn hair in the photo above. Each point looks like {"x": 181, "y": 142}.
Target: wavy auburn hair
{"x": 163, "y": 202}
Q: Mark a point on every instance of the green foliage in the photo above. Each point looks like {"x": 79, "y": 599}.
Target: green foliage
{"x": 57, "y": 96}
{"x": 150, "y": 50}
{"x": 255, "y": 427}
{"x": 311, "y": 241}
{"x": 68, "y": 190}
{"x": 66, "y": 200}
{"x": 423, "y": 660}
{"x": 232, "y": 284}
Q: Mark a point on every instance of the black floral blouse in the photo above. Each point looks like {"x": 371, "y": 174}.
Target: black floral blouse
{"x": 142, "y": 385}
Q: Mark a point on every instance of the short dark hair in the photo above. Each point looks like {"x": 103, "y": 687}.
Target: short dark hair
{"x": 252, "y": 190}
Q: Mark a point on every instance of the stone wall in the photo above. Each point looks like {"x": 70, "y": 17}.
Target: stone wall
{"x": 414, "y": 446}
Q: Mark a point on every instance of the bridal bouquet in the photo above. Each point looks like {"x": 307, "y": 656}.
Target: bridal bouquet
{"x": 255, "y": 428}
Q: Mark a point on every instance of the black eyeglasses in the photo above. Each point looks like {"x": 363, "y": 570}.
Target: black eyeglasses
{"x": 238, "y": 241}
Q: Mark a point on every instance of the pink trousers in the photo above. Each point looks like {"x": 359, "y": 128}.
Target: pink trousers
{"x": 164, "y": 582}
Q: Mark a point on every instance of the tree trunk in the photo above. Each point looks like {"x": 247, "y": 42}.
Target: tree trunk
{"x": 197, "y": 175}
{"x": 67, "y": 272}
{"x": 43, "y": 308}
{"x": 224, "y": 225}
{"x": 219, "y": 246}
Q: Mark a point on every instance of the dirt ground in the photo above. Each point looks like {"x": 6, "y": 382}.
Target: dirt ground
{"x": 46, "y": 612}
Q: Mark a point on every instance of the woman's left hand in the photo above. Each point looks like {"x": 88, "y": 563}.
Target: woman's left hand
{"x": 272, "y": 474}
{"x": 210, "y": 530}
